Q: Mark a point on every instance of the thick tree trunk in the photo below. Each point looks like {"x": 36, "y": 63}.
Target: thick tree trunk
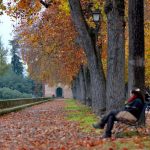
{"x": 116, "y": 54}
{"x": 136, "y": 70}
{"x": 98, "y": 85}
{"x": 87, "y": 86}
{"x": 93, "y": 58}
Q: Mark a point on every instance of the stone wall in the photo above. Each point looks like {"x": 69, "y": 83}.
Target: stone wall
{"x": 17, "y": 102}
{"x": 50, "y": 91}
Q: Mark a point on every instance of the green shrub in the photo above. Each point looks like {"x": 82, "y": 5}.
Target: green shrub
{"x": 7, "y": 93}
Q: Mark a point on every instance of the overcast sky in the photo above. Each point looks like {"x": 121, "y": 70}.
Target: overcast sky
{"x": 6, "y": 31}
{"x": 6, "y": 27}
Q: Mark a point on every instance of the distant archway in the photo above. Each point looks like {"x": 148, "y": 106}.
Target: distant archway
{"x": 59, "y": 92}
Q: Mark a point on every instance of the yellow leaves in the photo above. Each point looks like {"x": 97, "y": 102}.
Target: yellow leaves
{"x": 33, "y": 38}
{"x": 96, "y": 4}
{"x": 44, "y": 75}
{"x": 30, "y": 22}
{"x": 48, "y": 49}
{"x": 2, "y": 7}
{"x": 147, "y": 66}
{"x": 64, "y": 6}
{"x": 147, "y": 52}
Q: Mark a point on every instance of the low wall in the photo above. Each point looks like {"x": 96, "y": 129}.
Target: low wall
{"x": 18, "y": 102}
{"x": 11, "y": 105}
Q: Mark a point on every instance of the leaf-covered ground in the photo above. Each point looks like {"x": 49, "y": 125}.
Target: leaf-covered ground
{"x": 59, "y": 125}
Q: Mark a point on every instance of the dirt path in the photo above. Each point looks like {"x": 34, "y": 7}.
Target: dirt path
{"x": 41, "y": 127}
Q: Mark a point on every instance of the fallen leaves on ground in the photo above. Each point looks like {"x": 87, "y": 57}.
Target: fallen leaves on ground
{"x": 44, "y": 127}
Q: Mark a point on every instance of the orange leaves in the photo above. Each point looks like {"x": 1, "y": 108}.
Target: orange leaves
{"x": 45, "y": 127}
{"x": 90, "y": 142}
{"x": 23, "y": 4}
{"x": 27, "y": 4}
{"x": 50, "y": 43}
{"x": 24, "y": 10}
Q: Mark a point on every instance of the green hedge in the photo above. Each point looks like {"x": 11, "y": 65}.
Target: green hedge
{"x": 7, "y": 93}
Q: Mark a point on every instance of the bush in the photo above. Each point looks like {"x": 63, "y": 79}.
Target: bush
{"x": 20, "y": 83}
{"x": 7, "y": 93}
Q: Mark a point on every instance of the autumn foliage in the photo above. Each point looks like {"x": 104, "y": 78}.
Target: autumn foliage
{"x": 46, "y": 126}
{"x": 50, "y": 44}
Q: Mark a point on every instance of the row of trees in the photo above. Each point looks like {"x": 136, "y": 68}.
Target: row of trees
{"x": 110, "y": 94}
{"x": 57, "y": 49}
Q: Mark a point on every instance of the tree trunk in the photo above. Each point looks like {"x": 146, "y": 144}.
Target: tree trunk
{"x": 115, "y": 90}
{"x": 93, "y": 58}
{"x": 77, "y": 82}
{"x": 82, "y": 85}
{"x": 74, "y": 88}
{"x": 136, "y": 72}
{"x": 87, "y": 86}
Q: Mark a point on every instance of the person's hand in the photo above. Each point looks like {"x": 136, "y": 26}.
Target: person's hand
{"x": 130, "y": 107}
{"x": 127, "y": 106}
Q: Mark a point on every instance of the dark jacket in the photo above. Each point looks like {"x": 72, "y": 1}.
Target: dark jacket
{"x": 135, "y": 107}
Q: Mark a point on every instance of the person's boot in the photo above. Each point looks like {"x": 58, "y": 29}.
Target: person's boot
{"x": 98, "y": 125}
{"x": 109, "y": 127}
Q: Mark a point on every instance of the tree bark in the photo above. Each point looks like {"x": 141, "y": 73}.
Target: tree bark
{"x": 82, "y": 85}
{"x": 77, "y": 84}
{"x": 115, "y": 84}
{"x": 87, "y": 86}
{"x": 73, "y": 88}
{"x": 93, "y": 58}
{"x": 136, "y": 71}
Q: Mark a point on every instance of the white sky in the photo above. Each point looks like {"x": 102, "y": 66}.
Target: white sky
{"x": 6, "y": 31}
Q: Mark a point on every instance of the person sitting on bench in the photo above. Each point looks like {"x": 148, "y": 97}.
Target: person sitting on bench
{"x": 134, "y": 106}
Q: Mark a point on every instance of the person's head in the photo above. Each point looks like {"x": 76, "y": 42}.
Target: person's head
{"x": 137, "y": 92}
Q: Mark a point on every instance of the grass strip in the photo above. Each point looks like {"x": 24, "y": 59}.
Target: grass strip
{"x": 81, "y": 114}
{"x": 84, "y": 116}
{"x": 12, "y": 109}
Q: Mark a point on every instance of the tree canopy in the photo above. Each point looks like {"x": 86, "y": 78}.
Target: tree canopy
{"x": 17, "y": 65}
{"x": 53, "y": 32}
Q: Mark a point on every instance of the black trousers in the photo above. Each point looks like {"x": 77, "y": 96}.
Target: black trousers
{"x": 109, "y": 119}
